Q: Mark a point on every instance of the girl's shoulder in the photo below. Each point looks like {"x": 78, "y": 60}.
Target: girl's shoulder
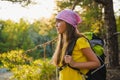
{"x": 82, "y": 39}
{"x": 82, "y": 42}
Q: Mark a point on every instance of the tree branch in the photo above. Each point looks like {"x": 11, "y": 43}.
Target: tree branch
{"x": 75, "y": 3}
{"x": 22, "y": 2}
{"x": 115, "y": 34}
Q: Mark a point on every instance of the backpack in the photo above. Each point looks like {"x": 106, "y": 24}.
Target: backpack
{"x": 97, "y": 46}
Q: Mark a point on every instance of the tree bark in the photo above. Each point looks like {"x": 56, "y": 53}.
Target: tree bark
{"x": 111, "y": 26}
{"x": 112, "y": 41}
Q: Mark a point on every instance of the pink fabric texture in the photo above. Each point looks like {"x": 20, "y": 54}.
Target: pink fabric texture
{"x": 70, "y": 17}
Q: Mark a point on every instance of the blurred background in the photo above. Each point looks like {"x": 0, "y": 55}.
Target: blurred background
{"x": 28, "y": 34}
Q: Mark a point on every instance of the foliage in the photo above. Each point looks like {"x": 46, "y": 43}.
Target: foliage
{"x": 22, "y": 2}
{"x": 14, "y": 36}
{"x": 40, "y": 32}
{"x": 38, "y": 70}
{"x": 61, "y": 4}
{"x": 118, "y": 29}
{"x": 23, "y": 35}
{"x": 118, "y": 22}
{"x": 24, "y": 67}
{"x": 14, "y": 58}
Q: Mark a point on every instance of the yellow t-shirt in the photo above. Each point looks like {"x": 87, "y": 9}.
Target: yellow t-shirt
{"x": 70, "y": 74}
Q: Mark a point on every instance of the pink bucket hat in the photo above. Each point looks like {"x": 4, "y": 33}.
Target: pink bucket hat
{"x": 70, "y": 17}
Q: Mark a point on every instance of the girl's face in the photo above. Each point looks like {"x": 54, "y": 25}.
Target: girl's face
{"x": 60, "y": 26}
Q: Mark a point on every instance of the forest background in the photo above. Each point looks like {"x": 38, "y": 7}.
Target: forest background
{"x": 27, "y": 47}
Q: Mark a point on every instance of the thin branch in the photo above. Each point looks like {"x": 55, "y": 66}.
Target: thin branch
{"x": 75, "y": 3}
{"x": 115, "y": 34}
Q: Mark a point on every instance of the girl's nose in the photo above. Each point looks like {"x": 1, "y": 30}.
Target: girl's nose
{"x": 57, "y": 24}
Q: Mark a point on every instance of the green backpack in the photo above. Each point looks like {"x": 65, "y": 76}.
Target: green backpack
{"x": 96, "y": 43}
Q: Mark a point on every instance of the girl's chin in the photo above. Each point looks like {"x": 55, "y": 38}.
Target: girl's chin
{"x": 59, "y": 32}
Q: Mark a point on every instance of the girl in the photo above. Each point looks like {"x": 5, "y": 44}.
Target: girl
{"x": 82, "y": 58}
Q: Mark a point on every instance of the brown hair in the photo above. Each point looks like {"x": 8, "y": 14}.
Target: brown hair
{"x": 71, "y": 33}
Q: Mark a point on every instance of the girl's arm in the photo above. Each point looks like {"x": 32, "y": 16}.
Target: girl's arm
{"x": 92, "y": 62}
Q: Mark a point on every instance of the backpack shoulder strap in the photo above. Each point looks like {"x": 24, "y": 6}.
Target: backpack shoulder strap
{"x": 71, "y": 46}
{"x": 69, "y": 52}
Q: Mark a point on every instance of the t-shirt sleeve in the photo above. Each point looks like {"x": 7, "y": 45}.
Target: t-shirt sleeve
{"x": 82, "y": 43}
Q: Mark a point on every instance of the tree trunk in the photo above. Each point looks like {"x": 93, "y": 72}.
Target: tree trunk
{"x": 112, "y": 41}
